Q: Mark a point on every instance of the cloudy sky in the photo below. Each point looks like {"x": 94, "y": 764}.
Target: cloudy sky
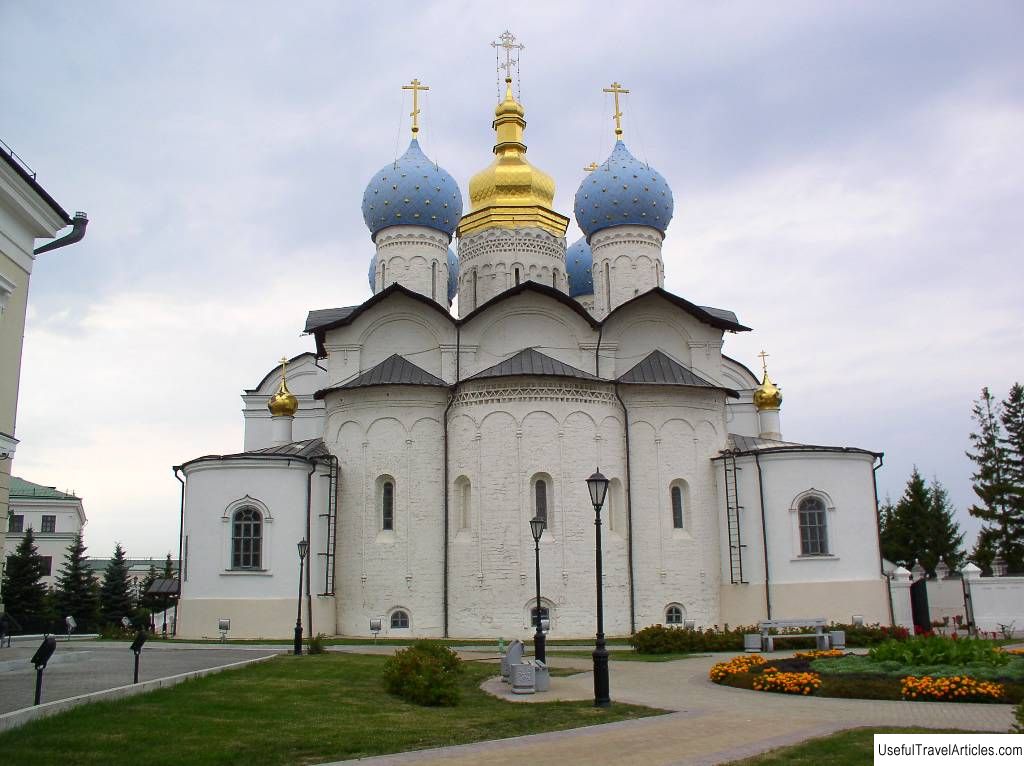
{"x": 848, "y": 178}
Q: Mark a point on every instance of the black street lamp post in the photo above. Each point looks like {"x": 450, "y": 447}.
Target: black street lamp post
{"x": 537, "y": 525}
{"x": 303, "y": 548}
{"x": 598, "y": 486}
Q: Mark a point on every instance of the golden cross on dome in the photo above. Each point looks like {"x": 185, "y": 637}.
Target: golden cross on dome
{"x": 764, "y": 364}
{"x": 507, "y": 40}
{"x": 615, "y": 89}
{"x": 591, "y": 167}
{"x": 415, "y": 86}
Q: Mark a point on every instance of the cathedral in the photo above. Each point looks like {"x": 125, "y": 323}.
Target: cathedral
{"x": 411, "y": 447}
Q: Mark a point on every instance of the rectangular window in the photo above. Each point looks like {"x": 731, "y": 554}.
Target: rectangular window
{"x": 544, "y": 615}
{"x": 49, "y": 524}
{"x": 47, "y": 565}
{"x": 17, "y": 523}
{"x": 388, "y": 506}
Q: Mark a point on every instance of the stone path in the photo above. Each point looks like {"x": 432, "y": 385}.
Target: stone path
{"x": 711, "y": 724}
{"x": 82, "y": 667}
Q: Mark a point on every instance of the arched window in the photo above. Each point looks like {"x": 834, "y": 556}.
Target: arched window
{"x": 674, "y": 614}
{"x": 678, "y": 507}
{"x": 433, "y": 280}
{"x": 607, "y": 286}
{"x": 813, "y": 540}
{"x": 475, "y": 287}
{"x": 399, "y": 619}
{"x": 540, "y": 499}
{"x": 554, "y": 277}
{"x": 545, "y": 614}
{"x": 383, "y": 267}
{"x": 464, "y": 502}
{"x": 387, "y": 504}
{"x": 517, "y": 275}
{"x": 246, "y": 539}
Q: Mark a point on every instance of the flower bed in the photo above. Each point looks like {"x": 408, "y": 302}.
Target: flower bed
{"x": 771, "y": 680}
{"x": 820, "y": 654}
{"x": 951, "y": 689}
{"x": 745, "y": 663}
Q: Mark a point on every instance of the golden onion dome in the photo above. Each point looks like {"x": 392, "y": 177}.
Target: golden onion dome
{"x": 767, "y": 396}
{"x": 283, "y": 403}
{"x": 510, "y": 192}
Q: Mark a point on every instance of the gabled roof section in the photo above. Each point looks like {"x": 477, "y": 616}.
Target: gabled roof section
{"x": 530, "y": 361}
{"x": 659, "y": 369}
{"x": 720, "y": 318}
{"x": 307, "y": 449}
{"x": 22, "y": 489}
{"x": 394, "y": 371}
{"x": 534, "y": 287}
{"x": 276, "y": 371}
{"x": 749, "y": 445}
{"x": 322, "y": 320}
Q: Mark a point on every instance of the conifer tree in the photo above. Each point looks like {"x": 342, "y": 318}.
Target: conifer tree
{"x": 147, "y": 600}
{"x": 921, "y": 527}
{"x": 993, "y": 482}
{"x": 76, "y": 594}
{"x": 1013, "y": 443}
{"x": 943, "y": 539}
{"x": 25, "y": 596}
{"x": 115, "y": 592}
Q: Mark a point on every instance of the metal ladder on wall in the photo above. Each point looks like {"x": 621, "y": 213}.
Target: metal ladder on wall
{"x": 332, "y": 526}
{"x": 732, "y": 516}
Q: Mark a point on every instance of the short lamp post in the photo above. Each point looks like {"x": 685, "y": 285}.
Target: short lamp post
{"x": 598, "y": 486}
{"x": 303, "y": 548}
{"x": 537, "y": 525}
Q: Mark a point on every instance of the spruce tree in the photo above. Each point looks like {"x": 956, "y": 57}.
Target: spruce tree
{"x": 943, "y": 540}
{"x": 25, "y": 596}
{"x": 76, "y": 593}
{"x": 146, "y": 600}
{"x": 115, "y": 592}
{"x": 1013, "y": 443}
{"x": 921, "y": 527}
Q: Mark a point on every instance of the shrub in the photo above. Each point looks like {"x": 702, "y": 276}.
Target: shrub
{"x": 939, "y": 650}
{"x": 952, "y": 689}
{"x": 662, "y": 639}
{"x": 426, "y": 673}
{"x": 1018, "y": 714}
{"x": 316, "y": 645}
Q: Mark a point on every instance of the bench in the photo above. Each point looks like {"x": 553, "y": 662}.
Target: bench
{"x": 819, "y": 635}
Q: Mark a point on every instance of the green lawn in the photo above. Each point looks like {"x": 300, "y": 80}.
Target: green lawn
{"x": 853, "y": 747}
{"x": 628, "y": 655}
{"x": 289, "y": 710}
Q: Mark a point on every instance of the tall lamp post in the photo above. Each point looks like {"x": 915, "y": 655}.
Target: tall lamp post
{"x": 303, "y": 548}
{"x": 537, "y": 525}
{"x": 598, "y": 486}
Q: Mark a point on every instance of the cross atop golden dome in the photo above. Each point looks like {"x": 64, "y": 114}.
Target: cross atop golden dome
{"x": 283, "y": 403}
{"x": 767, "y": 396}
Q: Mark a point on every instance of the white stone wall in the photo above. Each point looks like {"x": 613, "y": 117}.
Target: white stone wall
{"x": 414, "y": 256}
{"x": 390, "y": 432}
{"x": 277, "y": 488}
{"x": 489, "y": 261}
{"x": 998, "y": 601}
{"x": 70, "y": 518}
{"x": 946, "y": 599}
{"x": 627, "y": 262}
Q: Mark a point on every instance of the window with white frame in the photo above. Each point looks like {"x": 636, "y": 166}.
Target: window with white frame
{"x": 677, "y": 499}
{"x": 674, "y": 614}
{"x": 16, "y": 523}
{"x": 541, "y": 495}
{"x": 49, "y": 523}
{"x": 399, "y": 619}
{"x": 246, "y": 539}
{"x": 813, "y": 532}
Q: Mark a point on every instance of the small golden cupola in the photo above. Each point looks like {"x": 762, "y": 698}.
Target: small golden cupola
{"x": 283, "y": 403}
{"x": 511, "y": 193}
{"x": 767, "y": 396}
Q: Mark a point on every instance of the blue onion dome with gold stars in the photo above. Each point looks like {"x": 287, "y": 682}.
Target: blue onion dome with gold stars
{"x": 623, "y": 191}
{"x": 579, "y": 266}
{"x": 412, "y": 191}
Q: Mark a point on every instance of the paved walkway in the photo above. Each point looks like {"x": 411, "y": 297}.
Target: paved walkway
{"x": 81, "y": 667}
{"x": 711, "y": 724}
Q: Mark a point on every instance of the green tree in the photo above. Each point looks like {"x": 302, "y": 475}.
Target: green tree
{"x": 994, "y": 457}
{"x": 921, "y": 527}
{"x": 1013, "y": 443}
{"x": 25, "y": 595}
{"x": 145, "y": 599}
{"x": 115, "y": 592}
{"x": 76, "y": 594}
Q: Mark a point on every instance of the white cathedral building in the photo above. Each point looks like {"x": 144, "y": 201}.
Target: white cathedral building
{"x": 412, "y": 447}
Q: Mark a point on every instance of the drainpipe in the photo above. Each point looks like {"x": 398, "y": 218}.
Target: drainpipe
{"x": 878, "y": 534}
{"x": 309, "y": 551}
{"x": 764, "y": 536}
{"x": 181, "y": 540}
{"x": 629, "y": 517}
{"x": 78, "y": 224}
{"x": 447, "y": 409}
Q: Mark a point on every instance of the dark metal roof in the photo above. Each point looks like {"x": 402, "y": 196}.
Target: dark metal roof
{"x": 748, "y": 445}
{"x": 720, "y": 318}
{"x": 530, "y": 361}
{"x": 536, "y": 287}
{"x": 164, "y": 586}
{"x": 393, "y": 371}
{"x": 659, "y": 369}
{"x": 318, "y": 318}
{"x": 308, "y": 450}
{"x": 30, "y": 178}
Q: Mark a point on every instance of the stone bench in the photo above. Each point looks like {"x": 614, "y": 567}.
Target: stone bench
{"x": 819, "y": 635}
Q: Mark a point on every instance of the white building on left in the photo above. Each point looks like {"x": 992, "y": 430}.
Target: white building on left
{"x": 54, "y": 517}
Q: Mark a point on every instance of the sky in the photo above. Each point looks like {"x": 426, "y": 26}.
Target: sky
{"x": 848, "y": 178}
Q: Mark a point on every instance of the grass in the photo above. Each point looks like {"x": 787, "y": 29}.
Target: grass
{"x": 288, "y": 710}
{"x": 853, "y": 747}
{"x": 1012, "y": 670}
{"x": 629, "y": 655}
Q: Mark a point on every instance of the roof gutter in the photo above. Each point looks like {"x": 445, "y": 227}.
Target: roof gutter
{"x": 77, "y": 233}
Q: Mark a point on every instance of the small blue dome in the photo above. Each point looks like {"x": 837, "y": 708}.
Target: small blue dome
{"x": 579, "y": 266}
{"x": 412, "y": 191}
{"x": 623, "y": 190}
{"x": 453, "y": 275}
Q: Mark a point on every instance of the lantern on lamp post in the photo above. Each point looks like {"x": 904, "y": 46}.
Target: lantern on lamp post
{"x": 597, "y": 484}
{"x": 537, "y": 525}
{"x": 303, "y": 549}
